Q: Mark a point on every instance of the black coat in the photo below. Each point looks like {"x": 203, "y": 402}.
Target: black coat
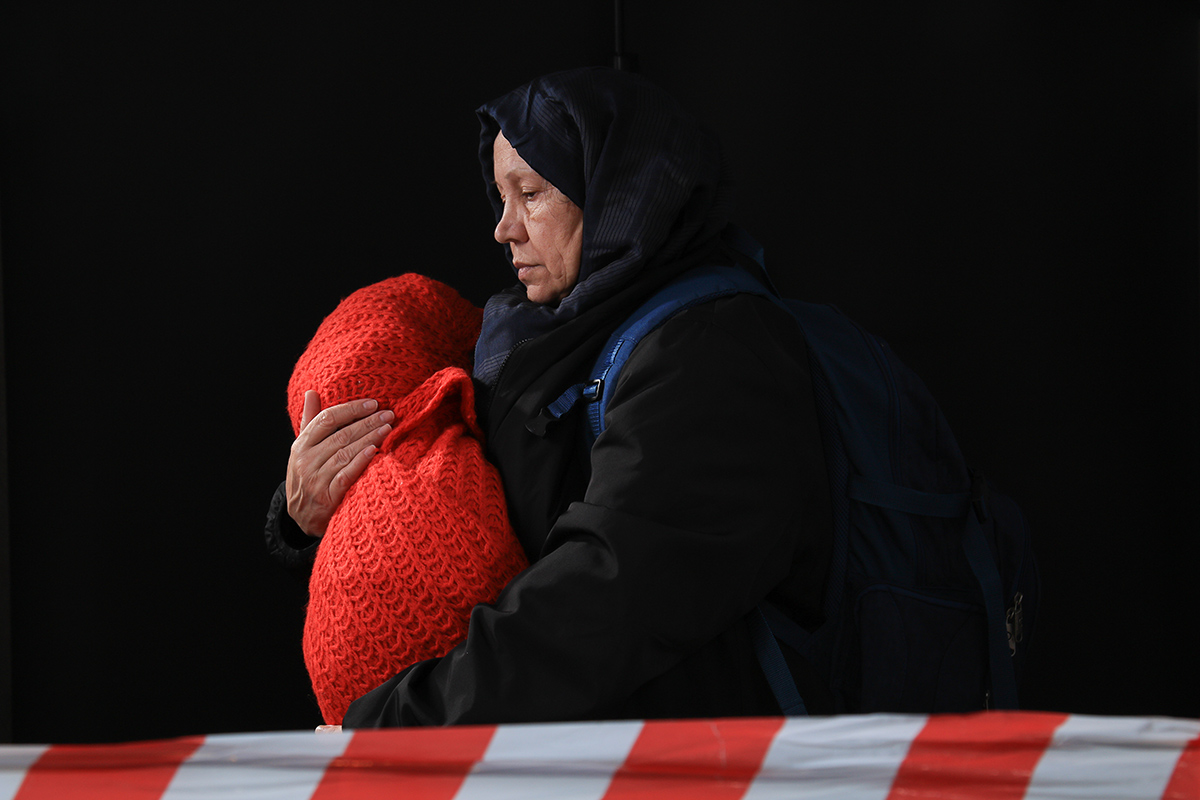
{"x": 706, "y": 493}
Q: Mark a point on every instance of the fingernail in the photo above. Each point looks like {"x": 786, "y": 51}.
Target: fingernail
{"x": 387, "y": 416}
{"x": 370, "y": 405}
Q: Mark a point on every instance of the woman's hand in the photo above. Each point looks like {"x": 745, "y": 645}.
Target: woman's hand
{"x": 332, "y": 450}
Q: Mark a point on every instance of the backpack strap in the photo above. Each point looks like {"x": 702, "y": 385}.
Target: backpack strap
{"x": 910, "y": 501}
{"x": 695, "y": 287}
{"x": 983, "y": 565}
{"x": 774, "y": 665}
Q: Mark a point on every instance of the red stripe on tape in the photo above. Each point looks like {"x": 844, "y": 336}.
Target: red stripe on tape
{"x": 419, "y": 763}
{"x": 1185, "y": 780}
{"x": 130, "y": 771}
{"x": 698, "y": 760}
{"x": 986, "y": 756}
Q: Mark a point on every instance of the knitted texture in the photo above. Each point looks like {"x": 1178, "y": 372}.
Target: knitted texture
{"x": 423, "y": 535}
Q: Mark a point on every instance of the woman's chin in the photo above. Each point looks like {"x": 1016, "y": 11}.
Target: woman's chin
{"x": 539, "y": 293}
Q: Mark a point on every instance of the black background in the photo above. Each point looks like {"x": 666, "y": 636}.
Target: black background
{"x": 1005, "y": 191}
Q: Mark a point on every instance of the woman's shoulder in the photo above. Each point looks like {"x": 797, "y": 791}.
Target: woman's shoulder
{"x": 733, "y": 341}
{"x": 741, "y": 311}
{"x": 739, "y": 322}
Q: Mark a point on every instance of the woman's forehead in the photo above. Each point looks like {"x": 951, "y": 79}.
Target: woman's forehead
{"x": 507, "y": 163}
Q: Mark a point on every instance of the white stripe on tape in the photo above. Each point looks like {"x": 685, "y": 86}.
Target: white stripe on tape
{"x": 842, "y": 758}
{"x": 14, "y": 763}
{"x": 574, "y": 761}
{"x": 275, "y": 766}
{"x": 1091, "y": 758}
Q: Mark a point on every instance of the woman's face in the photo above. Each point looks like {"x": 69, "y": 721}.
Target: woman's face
{"x": 541, "y": 225}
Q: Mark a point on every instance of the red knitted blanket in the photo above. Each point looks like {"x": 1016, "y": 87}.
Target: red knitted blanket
{"x": 423, "y": 535}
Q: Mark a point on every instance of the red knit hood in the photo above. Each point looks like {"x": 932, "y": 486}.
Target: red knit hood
{"x": 391, "y": 342}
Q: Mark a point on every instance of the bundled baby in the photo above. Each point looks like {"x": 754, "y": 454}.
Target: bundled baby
{"x": 423, "y": 535}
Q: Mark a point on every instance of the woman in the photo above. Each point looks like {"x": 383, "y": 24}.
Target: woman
{"x": 707, "y": 490}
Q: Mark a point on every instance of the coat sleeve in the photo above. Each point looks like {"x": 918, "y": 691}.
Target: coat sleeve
{"x": 285, "y": 541}
{"x": 690, "y": 518}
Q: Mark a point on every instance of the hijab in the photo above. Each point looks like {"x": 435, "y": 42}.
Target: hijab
{"x": 651, "y": 182}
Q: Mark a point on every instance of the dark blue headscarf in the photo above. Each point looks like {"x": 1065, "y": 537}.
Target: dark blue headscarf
{"x": 652, "y": 185}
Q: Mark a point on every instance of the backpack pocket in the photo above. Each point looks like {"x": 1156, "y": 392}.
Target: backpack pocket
{"x": 918, "y": 652}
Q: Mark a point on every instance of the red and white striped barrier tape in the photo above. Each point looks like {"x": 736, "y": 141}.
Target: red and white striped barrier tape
{"x": 993, "y": 756}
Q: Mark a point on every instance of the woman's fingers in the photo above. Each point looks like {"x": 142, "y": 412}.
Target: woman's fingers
{"x": 333, "y": 419}
{"x": 312, "y": 406}
{"x": 333, "y": 449}
{"x": 345, "y": 477}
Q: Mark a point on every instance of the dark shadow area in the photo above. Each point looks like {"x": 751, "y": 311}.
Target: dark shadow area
{"x": 1007, "y": 193}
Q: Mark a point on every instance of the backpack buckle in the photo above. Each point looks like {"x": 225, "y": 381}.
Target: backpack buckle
{"x": 592, "y": 391}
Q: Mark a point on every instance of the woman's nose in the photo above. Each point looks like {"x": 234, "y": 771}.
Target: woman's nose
{"x": 509, "y": 228}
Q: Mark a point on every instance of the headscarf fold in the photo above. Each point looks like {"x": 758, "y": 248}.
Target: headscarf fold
{"x": 651, "y": 182}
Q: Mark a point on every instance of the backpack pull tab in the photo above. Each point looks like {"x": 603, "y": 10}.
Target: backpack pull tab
{"x": 552, "y": 413}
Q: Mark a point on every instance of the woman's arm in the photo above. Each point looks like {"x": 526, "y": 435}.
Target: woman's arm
{"x": 702, "y": 487}
{"x": 285, "y": 541}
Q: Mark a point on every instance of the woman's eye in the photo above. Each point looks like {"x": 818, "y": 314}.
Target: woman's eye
{"x": 529, "y": 195}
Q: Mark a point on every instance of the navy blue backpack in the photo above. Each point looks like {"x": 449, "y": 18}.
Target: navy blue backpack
{"x": 933, "y": 588}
